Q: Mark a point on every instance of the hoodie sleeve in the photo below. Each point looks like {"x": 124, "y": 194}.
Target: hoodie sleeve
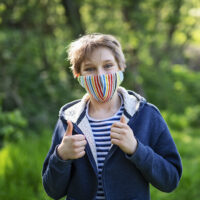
{"x": 56, "y": 172}
{"x": 160, "y": 164}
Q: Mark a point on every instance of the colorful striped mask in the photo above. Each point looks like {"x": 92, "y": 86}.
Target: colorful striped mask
{"x": 101, "y": 87}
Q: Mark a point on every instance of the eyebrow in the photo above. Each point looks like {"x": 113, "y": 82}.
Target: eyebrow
{"x": 104, "y": 61}
{"x": 87, "y": 64}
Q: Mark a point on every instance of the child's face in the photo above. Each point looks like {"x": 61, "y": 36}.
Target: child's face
{"x": 101, "y": 61}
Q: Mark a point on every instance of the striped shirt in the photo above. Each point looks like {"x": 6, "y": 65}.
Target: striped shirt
{"x": 101, "y": 133}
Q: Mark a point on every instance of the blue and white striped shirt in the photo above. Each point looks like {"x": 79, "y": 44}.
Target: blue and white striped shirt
{"x": 101, "y": 133}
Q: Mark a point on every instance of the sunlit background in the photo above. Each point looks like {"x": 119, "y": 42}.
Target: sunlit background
{"x": 161, "y": 42}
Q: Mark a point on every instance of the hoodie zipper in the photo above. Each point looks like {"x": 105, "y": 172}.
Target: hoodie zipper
{"x": 77, "y": 130}
{"x": 110, "y": 153}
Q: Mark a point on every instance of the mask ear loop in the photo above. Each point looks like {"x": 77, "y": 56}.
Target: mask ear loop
{"x": 77, "y": 75}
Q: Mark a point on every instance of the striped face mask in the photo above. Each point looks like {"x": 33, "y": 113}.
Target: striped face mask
{"x": 101, "y": 87}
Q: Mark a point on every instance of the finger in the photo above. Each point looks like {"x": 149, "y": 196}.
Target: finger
{"x": 117, "y": 130}
{"x": 81, "y": 143}
{"x": 81, "y": 154}
{"x": 69, "y": 128}
{"x": 79, "y": 137}
{"x": 115, "y": 136}
{"x": 122, "y": 119}
{"x": 116, "y": 142}
{"x": 119, "y": 125}
{"x": 80, "y": 149}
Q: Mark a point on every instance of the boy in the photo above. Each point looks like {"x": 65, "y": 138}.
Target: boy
{"x": 112, "y": 143}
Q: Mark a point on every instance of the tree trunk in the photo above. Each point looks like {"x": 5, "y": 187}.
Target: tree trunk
{"x": 72, "y": 13}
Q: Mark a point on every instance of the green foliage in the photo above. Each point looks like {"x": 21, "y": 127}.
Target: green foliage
{"x": 188, "y": 144}
{"x": 12, "y": 126}
{"x": 189, "y": 118}
{"x": 157, "y": 37}
{"x": 20, "y": 171}
{"x": 187, "y": 139}
{"x": 193, "y": 115}
{"x": 174, "y": 88}
{"x": 34, "y": 74}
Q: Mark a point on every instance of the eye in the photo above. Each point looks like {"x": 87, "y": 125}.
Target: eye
{"x": 89, "y": 69}
{"x": 108, "y": 65}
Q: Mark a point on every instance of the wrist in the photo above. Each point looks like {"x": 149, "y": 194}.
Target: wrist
{"x": 134, "y": 148}
{"x": 59, "y": 152}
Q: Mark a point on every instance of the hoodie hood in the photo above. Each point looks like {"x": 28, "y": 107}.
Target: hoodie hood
{"x": 74, "y": 111}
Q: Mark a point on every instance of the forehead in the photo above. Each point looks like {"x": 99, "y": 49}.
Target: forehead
{"x": 100, "y": 54}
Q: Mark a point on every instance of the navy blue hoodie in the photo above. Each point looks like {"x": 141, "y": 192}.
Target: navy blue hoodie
{"x": 125, "y": 177}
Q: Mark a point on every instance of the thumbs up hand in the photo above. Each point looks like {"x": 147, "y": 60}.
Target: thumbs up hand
{"x": 72, "y": 146}
{"x": 122, "y": 135}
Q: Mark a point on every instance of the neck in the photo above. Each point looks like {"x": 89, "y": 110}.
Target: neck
{"x": 97, "y": 109}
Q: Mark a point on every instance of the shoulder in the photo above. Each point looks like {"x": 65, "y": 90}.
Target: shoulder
{"x": 145, "y": 105}
{"x": 148, "y": 112}
{"x": 152, "y": 108}
{"x": 68, "y": 106}
{"x": 156, "y": 118}
{"x": 73, "y": 110}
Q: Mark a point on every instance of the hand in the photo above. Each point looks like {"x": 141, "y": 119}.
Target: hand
{"x": 122, "y": 135}
{"x": 72, "y": 146}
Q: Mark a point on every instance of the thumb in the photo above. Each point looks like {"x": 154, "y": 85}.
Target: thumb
{"x": 122, "y": 119}
{"x": 69, "y": 128}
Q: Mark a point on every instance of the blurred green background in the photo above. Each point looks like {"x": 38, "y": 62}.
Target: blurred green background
{"x": 161, "y": 42}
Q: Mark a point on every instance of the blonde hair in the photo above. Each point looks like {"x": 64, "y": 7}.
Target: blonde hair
{"x": 81, "y": 49}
